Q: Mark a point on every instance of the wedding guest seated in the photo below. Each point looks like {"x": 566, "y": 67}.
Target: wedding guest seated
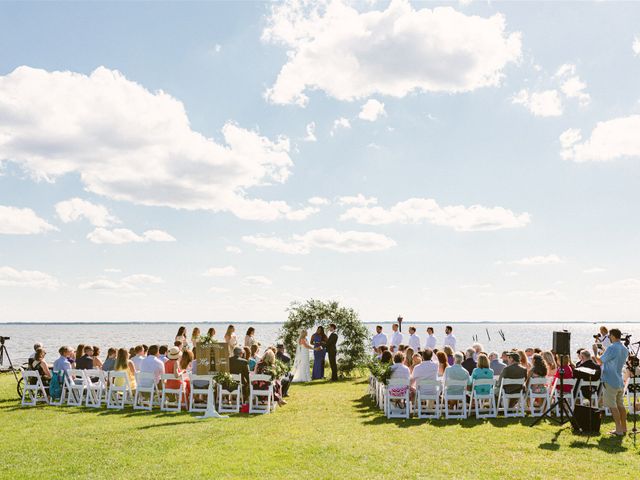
{"x": 185, "y": 366}
{"x": 36, "y": 346}
{"x": 253, "y": 357}
{"x": 138, "y": 357}
{"x": 408, "y": 357}
{"x": 538, "y": 370}
{"x": 110, "y": 362}
{"x": 39, "y": 365}
{"x": 124, "y": 364}
{"x": 264, "y": 367}
{"x": 85, "y": 362}
{"x": 246, "y": 353}
{"x": 529, "y": 353}
{"x": 152, "y": 364}
{"x": 386, "y": 357}
{"x": 469, "y": 363}
{"x": 513, "y": 371}
{"x": 399, "y": 371}
{"x": 565, "y": 364}
{"x": 443, "y": 363}
{"x": 504, "y": 357}
{"x": 524, "y": 361}
{"x": 171, "y": 366}
{"x": 495, "y": 363}
{"x": 163, "y": 353}
{"x": 587, "y": 362}
{"x": 381, "y": 350}
{"x": 482, "y": 371}
{"x": 97, "y": 363}
{"x": 62, "y": 363}
{"x": 426, "y": 370}
{"x": 449, "y": 353}
{"x": 286, "y": 360}
{"x": 477, "y": 350}
{"x": 550, "y": 362}
{"x": 456, "y": 372}
{"x": 79, "y": 352}
{"x": 240, "y": 366}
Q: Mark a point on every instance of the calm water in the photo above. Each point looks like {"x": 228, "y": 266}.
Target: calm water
{"x": 520, "y": 335}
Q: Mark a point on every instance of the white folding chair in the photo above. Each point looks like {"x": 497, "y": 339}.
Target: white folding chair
{"x": 200, "y": 390}
{"x": 538, "y": 389}
{"x": 96, "y": 381}
{"x": 33, "y": 391}
{"x": 630, "y": 385}
{"x": 568, "y": 396}
{"x": 119, "y": 391}
{"x": 457, "y": 395}
{"x": 594, "y": 389}
{"x": 505, "y": 399}
{"x": 145, "y": 385}
{"x": 397, "y": 398}
{"x": 428, "y": 398}
{"x": 260, "y": 399}
{"x": 76, "y": 384}
{"x": 484, "y": 404}
{"x": 167, "y": 404}
{"x": 229, "y": 401}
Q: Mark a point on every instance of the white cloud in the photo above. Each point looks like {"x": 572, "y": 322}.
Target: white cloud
{"x": 218, "y": 290}
{"x": 594, "y": 270}
{"x": 130, "y": 144}
{"x": 228, "y": 271}
{"x": 635, "y": 46}
{"x": 103, "y": 284}
{"x": 348, "y": 54}
{"x": 539, "y": 260}
{"x": 372, "y": 110}
{"x": 538, "y": 294}
{"x": 318, "y": 201}
{"x": 609, "y": 140}
{"x": 233, "y": 249}
{"x": 572, "y": 86}
{"x": 112, "y": 270}
{"x": 627, "y": 285}
{"x": 10, "y": 277}
{"x": 289, "y": 268}
{"x": 359, "y": 200}
{"x": 75, "y": 209}
{"x": 340, "y": 123}
{"x": 257, "y": 281}
{"x": 476, "y": 286}
{"x": 141, "y": 279}
{"x": 311, "y": 132}
{"x": 21, "y": 221}
{"x": 458, "y": 217}
{"x": 119, "y": 236}
{"x": 217, "y": 48}
{"x": 542, "y": 104}
{"x": 325, "y": 238}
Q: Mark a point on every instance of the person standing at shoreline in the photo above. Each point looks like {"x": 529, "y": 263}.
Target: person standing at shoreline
{"x": 230, "y": 339}
{"x": 396, "y": 337}
{"x": 450, "y": 339}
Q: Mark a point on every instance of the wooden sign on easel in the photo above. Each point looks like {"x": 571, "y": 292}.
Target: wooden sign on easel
{"x": 212, "y": 358}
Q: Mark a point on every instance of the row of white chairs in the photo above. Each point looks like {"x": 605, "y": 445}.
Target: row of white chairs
{"x": 433, "y": 398}
{"x": 93, "y": 388}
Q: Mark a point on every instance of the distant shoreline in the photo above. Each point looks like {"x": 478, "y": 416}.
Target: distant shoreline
{"x": 519, "y": 322}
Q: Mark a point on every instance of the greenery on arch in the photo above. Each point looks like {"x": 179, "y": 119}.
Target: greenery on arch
{"x": 353, "y": 335}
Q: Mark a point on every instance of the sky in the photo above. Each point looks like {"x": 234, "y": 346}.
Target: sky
{"x": 212, "y": 161}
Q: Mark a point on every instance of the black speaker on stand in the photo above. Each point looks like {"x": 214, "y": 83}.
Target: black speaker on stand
{"x": 562, "y": 348}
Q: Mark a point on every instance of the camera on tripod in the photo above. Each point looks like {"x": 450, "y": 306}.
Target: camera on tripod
{"x": 2, "y": 339}
{"x": 626, "y": 339}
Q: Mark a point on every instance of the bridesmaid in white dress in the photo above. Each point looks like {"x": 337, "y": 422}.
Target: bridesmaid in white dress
{"x": 301, "y": 364}
{"x": 230, "y": 338}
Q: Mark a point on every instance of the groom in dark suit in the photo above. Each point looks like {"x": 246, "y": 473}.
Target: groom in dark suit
{"x": 332, "y": 351}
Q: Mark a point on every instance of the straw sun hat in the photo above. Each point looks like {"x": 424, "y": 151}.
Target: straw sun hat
{"x": 174, "y": 353}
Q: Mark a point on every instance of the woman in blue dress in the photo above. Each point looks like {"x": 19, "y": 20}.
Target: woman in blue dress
{"x": 319, "y": 341}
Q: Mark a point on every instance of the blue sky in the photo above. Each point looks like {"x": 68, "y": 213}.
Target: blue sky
{"x": 468, "y": 161}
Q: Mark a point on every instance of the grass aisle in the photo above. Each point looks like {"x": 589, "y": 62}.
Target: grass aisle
{"x": 326, "y": 431}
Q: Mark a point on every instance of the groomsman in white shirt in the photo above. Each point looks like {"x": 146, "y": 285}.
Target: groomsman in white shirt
{"x": 414, "y": 340}
{"x": 431, "y": 339}
{"x": 450, "y": 339}
{"x": 378, "y": 339}
{"x": 396, "y": 338}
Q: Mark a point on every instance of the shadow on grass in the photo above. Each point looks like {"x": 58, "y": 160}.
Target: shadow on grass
{"x": 612, "y": 444}
{"x": 553, "y": 445}
{"x": 370, "y": 414}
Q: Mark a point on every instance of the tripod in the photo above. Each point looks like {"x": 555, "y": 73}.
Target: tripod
{"x": 562, "y": 404}
{"x": 632, "y": 364}
{"x": 4, "y": 352}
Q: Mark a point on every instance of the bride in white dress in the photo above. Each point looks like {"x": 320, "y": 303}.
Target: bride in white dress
{"x": 301, "y": 364}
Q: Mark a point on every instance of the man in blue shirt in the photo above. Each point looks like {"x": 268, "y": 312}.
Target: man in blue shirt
{"x": 613, "y": 361}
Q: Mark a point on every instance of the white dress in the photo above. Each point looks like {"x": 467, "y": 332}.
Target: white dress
{"x": 301, "y": 365}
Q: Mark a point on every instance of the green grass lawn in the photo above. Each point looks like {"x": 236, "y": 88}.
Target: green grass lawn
{"x": 326, "y": 431}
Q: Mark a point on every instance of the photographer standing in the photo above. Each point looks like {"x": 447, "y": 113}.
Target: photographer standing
{"x": 613, "y": 361}
{"x": 602, "y": 340}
